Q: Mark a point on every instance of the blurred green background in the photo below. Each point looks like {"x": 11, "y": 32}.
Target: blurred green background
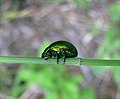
{"x": 27, "y": 27}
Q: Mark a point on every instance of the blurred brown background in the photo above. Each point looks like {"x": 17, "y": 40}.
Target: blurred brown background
{"x": 40, "y": 20}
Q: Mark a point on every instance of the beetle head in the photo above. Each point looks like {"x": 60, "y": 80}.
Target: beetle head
{"x": 48, "y": 54}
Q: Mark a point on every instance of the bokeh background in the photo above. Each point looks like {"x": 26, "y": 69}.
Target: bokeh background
{"x": 27, "y": 27}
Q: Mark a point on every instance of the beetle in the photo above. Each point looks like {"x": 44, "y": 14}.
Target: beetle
{"x": 60, "y": 49}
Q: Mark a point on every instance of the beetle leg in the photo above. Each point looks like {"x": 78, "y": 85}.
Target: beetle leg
{"x": 64, "y": 57}
{"x": 57, "y": 57}
{"x": 64, "y": 60}
{"x": 46, "y": 58}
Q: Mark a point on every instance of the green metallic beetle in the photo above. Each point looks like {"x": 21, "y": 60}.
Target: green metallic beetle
{"x": 60, "y": 49}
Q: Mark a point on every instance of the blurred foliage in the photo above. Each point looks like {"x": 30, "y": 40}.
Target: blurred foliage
{"x": 1, "y": 2}
{"x": 114, "y": 10}
{"x": 5, "y": 80}
{"x": 13, "y": 15}
{"x": 88, "y": 92}
{"x": 15, "y": 4}
{"x": 116, "y": 71}
{"x": 81, "y": 2}
{"x": 54, "y": 1}
{"x": 110, "y": 47}
{"x": 95, "y": 30}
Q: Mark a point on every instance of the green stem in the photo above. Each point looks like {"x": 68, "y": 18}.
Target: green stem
{"x": 69, "y": 61}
